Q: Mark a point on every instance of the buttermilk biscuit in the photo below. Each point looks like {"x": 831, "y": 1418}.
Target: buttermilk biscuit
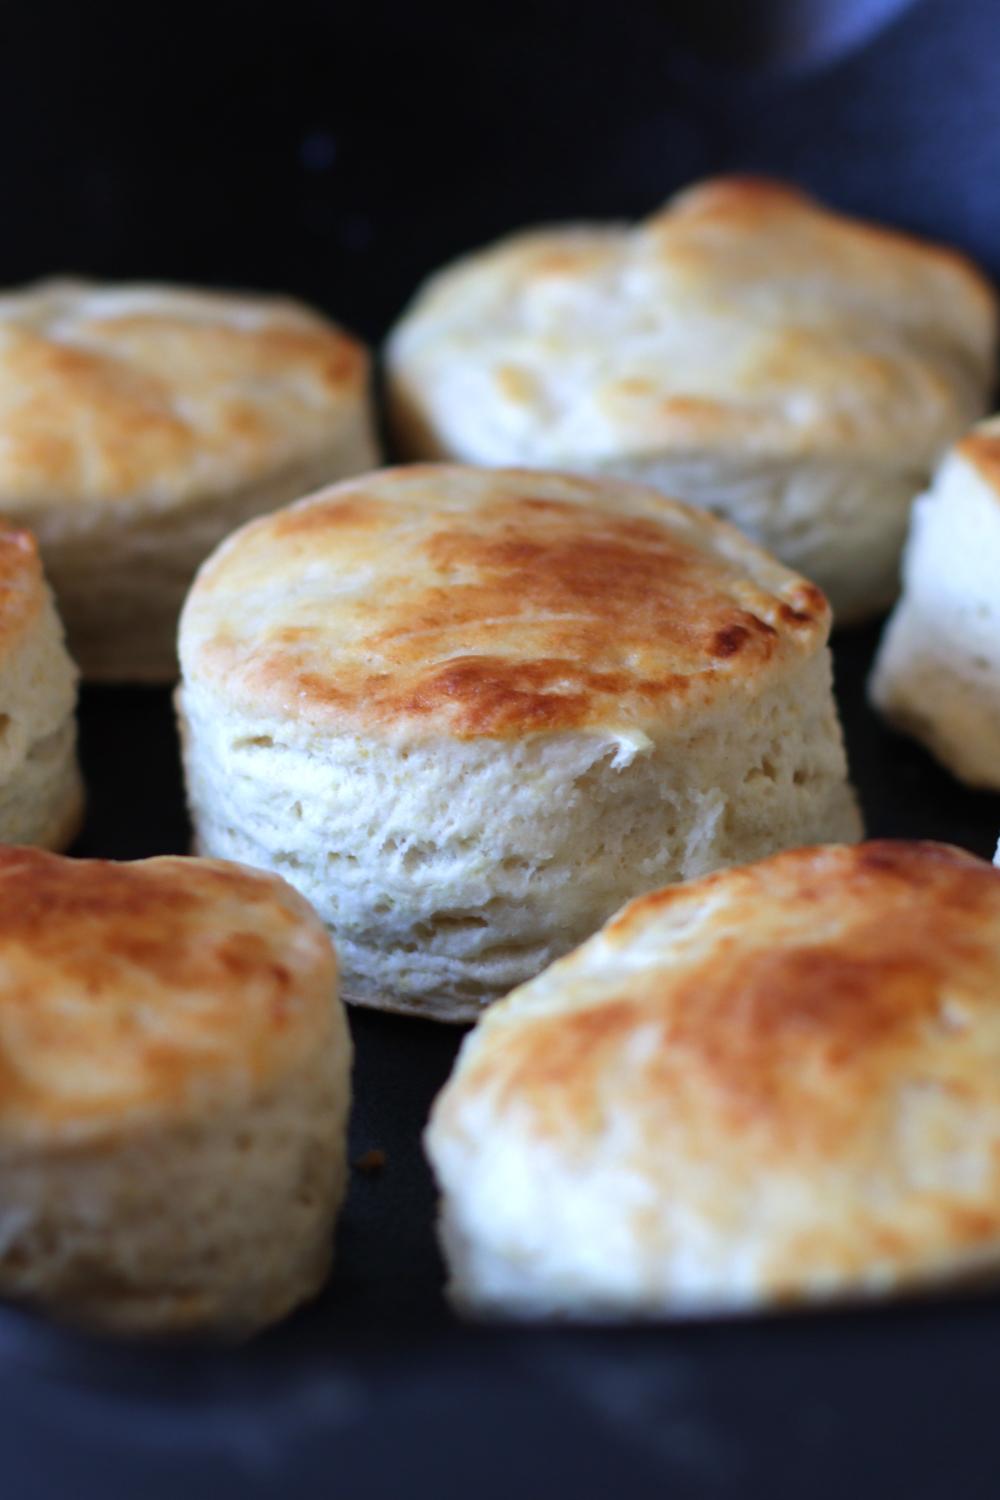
{"x": 140, "y": 424}
{"x": 937, "y": 674}
{"x": 777, "y": 1085}
{"x": 173, "y": 1091}
{"x": 41, "y": 794}
{"x": 469, "y": 712}
{"x": 746, "y": 349}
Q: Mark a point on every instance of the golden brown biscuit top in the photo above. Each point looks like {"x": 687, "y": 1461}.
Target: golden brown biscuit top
{"x": 165, "y": 987}
{"x": 154, "y": 394}
{"x": 743, "y": 316}
{"x": 474, "y": 603}
{"x": 22, "y": 585}
{"x": 803, "y": 980}
{"x": 796, "y": 1015}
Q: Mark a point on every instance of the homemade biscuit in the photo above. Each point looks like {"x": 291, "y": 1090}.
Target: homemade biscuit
{"x": 141, "y": 424}
{"x": 41, "y": 794}
{"x": 937, "y": 674}
{"x": 174, "y": 1084}
{"x": 777, "y": 1085}
{"x": 469, "y": 712}
{"x": 745, "y": 349}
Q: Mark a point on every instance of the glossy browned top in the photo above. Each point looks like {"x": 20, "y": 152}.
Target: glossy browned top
{"x": 167, "y": 985}
{"x": 807, "y": 1049}
{"x": 751, "y": 204}
{"x": 821, "y": 971}
{"x": 491, "y": 603}
{"x": 786, "y": 995}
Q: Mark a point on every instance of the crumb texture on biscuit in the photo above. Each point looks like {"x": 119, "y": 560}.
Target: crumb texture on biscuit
{"x": 937, "y": 674}
{"x": 469, "y": 713}
{"x": 777, "y": 1084}
{"x": 174, "y": 1088}
{"x": 41, "y": 793}
{"x": 218, "y": 1228}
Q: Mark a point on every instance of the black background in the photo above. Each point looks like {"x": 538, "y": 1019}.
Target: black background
{"x": 340, "y": 152}
{"x": 343, "y": 150}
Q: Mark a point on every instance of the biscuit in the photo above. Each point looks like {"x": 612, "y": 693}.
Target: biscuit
{"x": 41, "y": 793}
{"x": 141, "y": 424}
{"x": 469, "y": 712}
{"x": 174, "y": 1064}
{"x": 778, "y": 1085}
{"x": 793, "y": 370}
{"x": 937, "y": 674}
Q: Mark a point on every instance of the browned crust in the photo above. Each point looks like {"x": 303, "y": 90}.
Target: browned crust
{"x": 126, "y": 986}
{"x": 800, "y": 288}
{"x": 776, "y": 1031}
{"x": 750, "y": 201}
{"x": 107, "y": 406}
{"x": 526, "y": 612}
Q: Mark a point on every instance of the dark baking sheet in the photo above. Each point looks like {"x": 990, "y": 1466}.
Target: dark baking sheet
{"x": 375, "y": 1390}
